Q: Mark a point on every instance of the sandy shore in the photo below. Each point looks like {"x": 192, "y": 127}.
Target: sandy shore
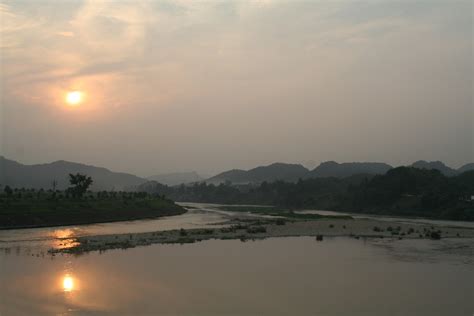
{"x": 247, "y": 229}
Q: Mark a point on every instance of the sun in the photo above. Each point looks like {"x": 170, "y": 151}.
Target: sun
{"x": 74, "y": 98}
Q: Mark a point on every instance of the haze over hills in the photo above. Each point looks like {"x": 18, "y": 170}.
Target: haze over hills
{"x": 466, "y": 167}
{"x": 39, "y": 176}
{"x": 176, "y": 178}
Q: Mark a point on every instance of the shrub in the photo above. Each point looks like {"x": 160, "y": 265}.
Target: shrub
{"x": 256, "y": 230}
{"x": 280, "y": 221}
{"x": 435, "y": 235}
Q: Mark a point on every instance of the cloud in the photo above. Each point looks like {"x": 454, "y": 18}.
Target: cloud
{"x": 318, "y": 68}
{"x": 66, "y": 34}
{"x": 12, "y": 24}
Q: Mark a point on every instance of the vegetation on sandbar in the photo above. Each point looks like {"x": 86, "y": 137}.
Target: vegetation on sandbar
{"x": 282, "y": 212}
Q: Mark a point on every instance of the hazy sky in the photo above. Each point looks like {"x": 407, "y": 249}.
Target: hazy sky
{"x": 212, "y": 85}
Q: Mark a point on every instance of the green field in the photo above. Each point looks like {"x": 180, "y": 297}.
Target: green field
{"x": 30, "y": 208}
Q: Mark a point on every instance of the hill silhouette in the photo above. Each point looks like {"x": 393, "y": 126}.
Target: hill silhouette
{"x": 270, "y": 173}
{"x": 293, "y": 172}
{"x": 347, "y": 169}
{"x": 40, "y": 176}
{"x": 435, "y": 165}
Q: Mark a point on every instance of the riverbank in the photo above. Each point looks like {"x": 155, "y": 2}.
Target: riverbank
{"x": 249, "y": 229}
{"x": 42, "y": 212}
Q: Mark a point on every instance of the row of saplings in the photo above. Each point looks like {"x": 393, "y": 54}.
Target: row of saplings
{"x": 79, "y": 189}
{"x": 80, "y": 184}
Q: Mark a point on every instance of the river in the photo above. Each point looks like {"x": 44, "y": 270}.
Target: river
{"x": 276, "y": 276}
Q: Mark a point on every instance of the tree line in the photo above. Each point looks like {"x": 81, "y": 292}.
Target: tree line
{"x": 403, "y": 191}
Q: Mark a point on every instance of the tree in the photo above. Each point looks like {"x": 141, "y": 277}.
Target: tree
{"x": 8, "y": 191}
{"x": 80, "y": 183}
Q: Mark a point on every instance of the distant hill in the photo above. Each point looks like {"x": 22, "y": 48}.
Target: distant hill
{"x": 342, "y": 170}
{"x": 234, "y": 176}
{"x": 153, "y": 187}
{"x": 270, "y": 173}
{"x": 466, "y": 167}
{"x": 42, "y": 175}
{"x": 436, "y": 165}
{"x": 176, "y": 178}
{"x": 293, "y": 172}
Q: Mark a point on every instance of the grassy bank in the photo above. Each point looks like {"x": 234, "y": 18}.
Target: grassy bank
{"x": 29, "y": 208}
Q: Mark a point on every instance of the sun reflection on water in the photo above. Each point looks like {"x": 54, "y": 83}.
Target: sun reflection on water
{"x": 65, "y": 243}
{"x": 68, "y": 283}
{"x": 63, "y": 233}
{"x": 64, "y": 238}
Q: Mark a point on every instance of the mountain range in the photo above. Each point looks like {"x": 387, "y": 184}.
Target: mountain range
{"x": 292, "y": 172}
{"x": 37, "y": 176}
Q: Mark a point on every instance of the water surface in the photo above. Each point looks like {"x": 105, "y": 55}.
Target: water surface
{"x": 199, "y": 216}
{"x": 276, "y": 276}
